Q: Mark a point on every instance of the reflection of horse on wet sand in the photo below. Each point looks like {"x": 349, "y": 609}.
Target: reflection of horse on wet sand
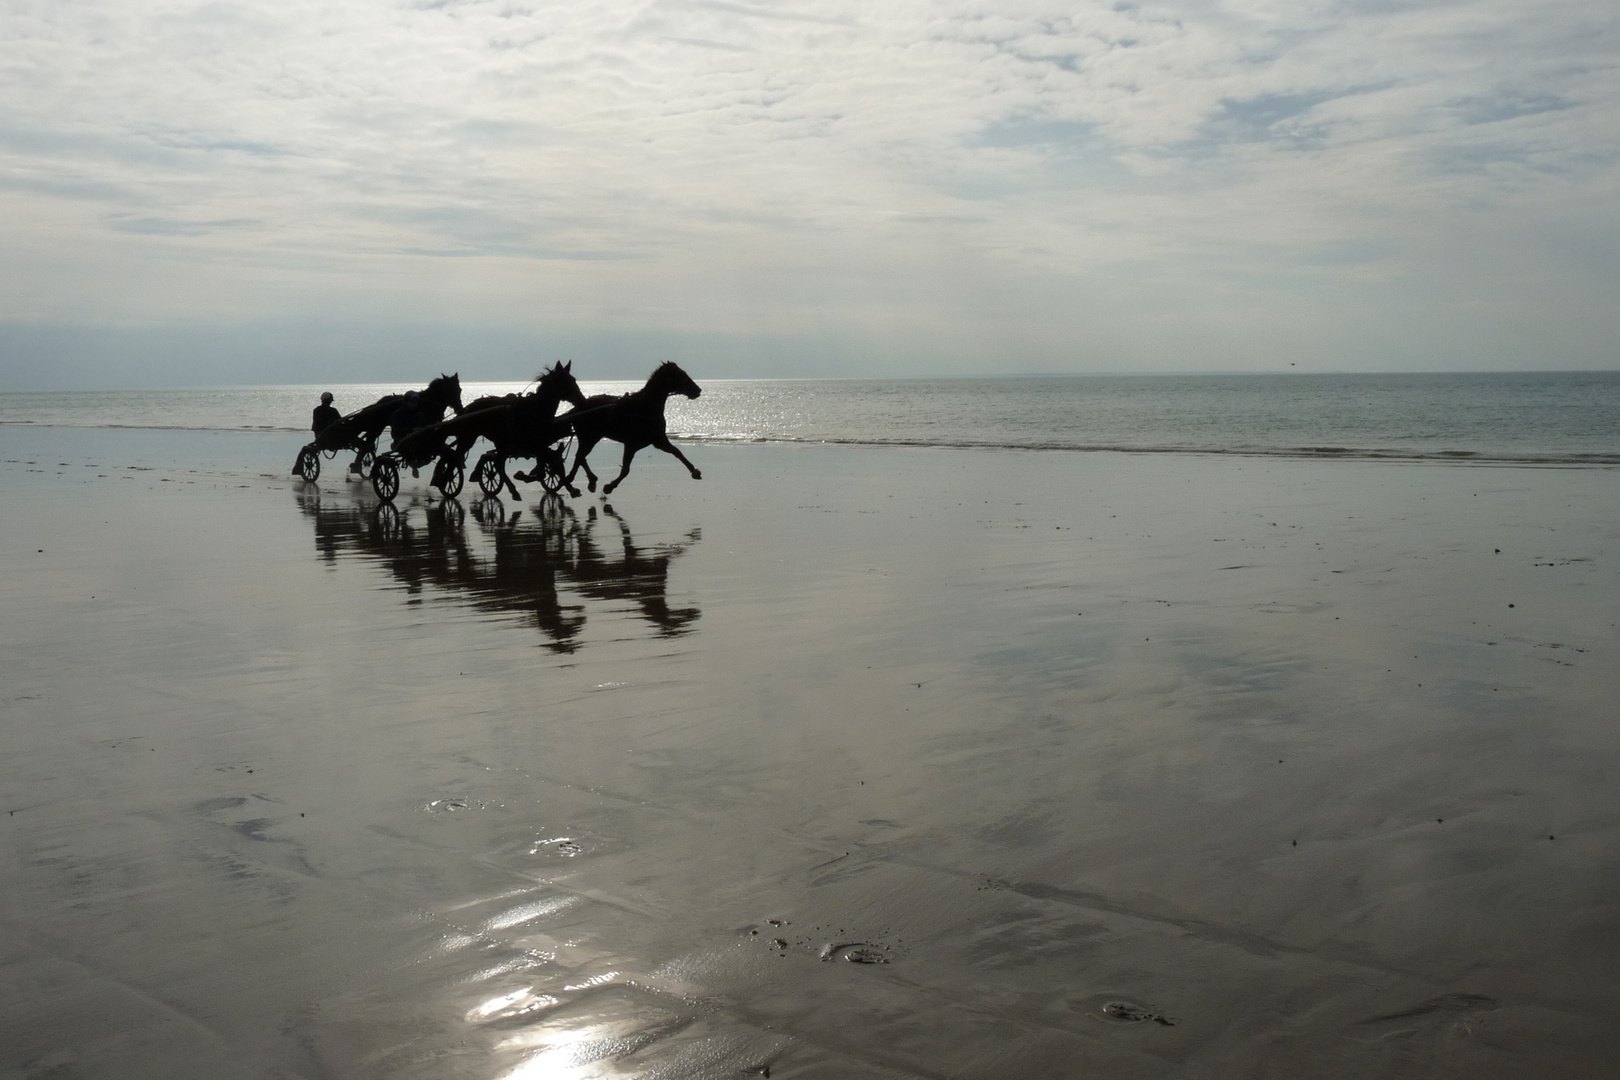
{"x": 639, "y": 575}
{"x": 526, "y": 565}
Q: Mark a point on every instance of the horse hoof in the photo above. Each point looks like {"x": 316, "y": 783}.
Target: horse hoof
{"x": 696, "y": 475}
{"x": 590, "y": 485}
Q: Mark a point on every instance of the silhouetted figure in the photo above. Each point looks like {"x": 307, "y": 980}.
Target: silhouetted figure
{"x": 325, "y": 414}
{"x": 636, "y": 420}
{"x": 516, "y": 425}
{"x": 359, "y": 430}
{"x": 408, "y": 416}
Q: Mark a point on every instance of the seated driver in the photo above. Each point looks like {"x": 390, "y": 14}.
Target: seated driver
{"x": 325, "y": 414}
{"x": 406, "y": 419}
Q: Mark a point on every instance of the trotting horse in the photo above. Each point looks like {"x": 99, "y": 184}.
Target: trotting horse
{"x": 636, "y": 420}
{"x": 360, "y": 429}
{"x": 517, "y": 426}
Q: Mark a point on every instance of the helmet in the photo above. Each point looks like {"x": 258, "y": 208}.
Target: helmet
{"x": 326, "y": 398}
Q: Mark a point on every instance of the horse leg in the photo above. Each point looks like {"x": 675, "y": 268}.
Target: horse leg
{"x": 559, "y": 465}
{"x": 586, "y": 445}
{"x": 450, "y": 462}
{"x": 366, "y": 446}
{"x": 624, "y": 471}
{"x": 500, "y": 467}
{"x": 663, "y": 443}
{"x": 552, "y": 460}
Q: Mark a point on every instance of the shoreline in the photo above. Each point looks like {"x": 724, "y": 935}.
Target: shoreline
{"x": 1304, "y": 453}
{"x": 1514, "y": 418}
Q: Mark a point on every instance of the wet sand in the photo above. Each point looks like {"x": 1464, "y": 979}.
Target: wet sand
{"x": 839, "y": 763}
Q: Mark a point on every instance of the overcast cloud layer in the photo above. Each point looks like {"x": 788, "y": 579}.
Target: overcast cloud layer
{"x": 259, "y": 191}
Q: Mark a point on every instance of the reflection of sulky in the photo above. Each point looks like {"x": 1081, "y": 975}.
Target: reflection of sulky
{"x": 523, "y": 566}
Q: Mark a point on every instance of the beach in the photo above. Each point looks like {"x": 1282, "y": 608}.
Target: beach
{"x": 841, "y": 762}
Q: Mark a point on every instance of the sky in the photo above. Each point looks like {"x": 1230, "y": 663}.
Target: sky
{"x": 270, "y": 191}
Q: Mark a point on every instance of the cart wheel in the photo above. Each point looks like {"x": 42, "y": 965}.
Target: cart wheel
{"x": 388, "y": 522}
{"x": 453, "y": 477}
{"x": 309, "y": 465}
{"x": 385, "y": 479}
{"x": 488, "y": 476}
{"x": 367, "y": 460}
{"x": 550, "y": 478}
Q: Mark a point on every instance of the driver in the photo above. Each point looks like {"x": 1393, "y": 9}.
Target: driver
{"x": 325, "y": 414}
{"x": 408, "y": 417}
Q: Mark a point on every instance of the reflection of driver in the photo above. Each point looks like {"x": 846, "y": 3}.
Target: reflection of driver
{"x": 324, "y": 414}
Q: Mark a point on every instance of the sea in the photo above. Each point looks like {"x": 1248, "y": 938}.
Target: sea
{"x": 1569, "y": 419}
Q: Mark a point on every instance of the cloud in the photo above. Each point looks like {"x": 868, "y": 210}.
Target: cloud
{"x": 996, "y": 181}
{"x": 158, "y": 226}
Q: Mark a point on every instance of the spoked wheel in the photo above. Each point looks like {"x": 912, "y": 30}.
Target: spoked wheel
{"x": 367, "y": 460}
{"x": 550, "y": 478}
{"x": 388, "y": 521}
{"x": 452, "y": 477}
{"x": 309, "y": 465}
{"x": 385, "y": 479}
{"x": 487, "y": 476}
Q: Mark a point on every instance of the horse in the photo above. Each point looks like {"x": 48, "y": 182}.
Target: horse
{"x": 635, "y": 419}
{"x": 516, "y": 425}
{"x": 360, "y": 430}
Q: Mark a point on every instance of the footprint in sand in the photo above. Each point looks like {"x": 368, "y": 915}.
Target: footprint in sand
{"x": 1117, "y": 1010}
{"x": 855, "y": 952}
{"x": 1125, "y": 1013}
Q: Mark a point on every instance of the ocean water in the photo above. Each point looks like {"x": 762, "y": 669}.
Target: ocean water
{"x": 1557, "y": 418}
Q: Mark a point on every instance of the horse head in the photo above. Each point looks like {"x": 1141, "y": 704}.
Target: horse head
{"x": 671, "y": 379}
{"x": 445, "y": 391}
{"x": 559, "y": 379}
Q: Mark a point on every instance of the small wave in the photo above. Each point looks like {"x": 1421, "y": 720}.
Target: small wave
{"x": 1320, "y": 453}
{"x": 107, "y": 425}
{"x": 1338, "y": 453}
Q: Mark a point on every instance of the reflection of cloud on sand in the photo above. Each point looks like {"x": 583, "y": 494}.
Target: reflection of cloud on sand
{"x": 530, "y": 565}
